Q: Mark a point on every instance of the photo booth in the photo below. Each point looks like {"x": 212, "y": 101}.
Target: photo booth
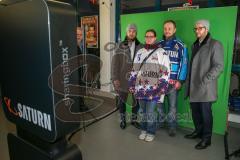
{"x": 37, "y": 36}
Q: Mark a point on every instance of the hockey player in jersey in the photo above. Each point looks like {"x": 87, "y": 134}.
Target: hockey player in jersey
{"x": 149, "y": 82}
{"x": 179, "y": 65}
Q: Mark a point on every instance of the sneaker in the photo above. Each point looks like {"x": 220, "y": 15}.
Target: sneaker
{"x": 149, "y": 137}
{"x": 142, "y": 135}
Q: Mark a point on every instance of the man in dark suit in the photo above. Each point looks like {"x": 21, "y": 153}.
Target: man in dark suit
{"x": 205, "y": 67}
{"x": 80, "y": 46}
{"x": 79, "y": 40}
{"x": 121, "y": 65}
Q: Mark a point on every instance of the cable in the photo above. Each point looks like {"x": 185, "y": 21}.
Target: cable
{"x": 97, "y": 119}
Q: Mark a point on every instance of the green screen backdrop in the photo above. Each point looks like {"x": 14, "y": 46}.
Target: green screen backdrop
{"x": 222, "y": 27}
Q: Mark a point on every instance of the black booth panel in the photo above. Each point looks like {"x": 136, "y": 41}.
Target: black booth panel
{"x": 26, "y": 49}
{"x": 29, "y": 32}
{"x": 63, "y": 31}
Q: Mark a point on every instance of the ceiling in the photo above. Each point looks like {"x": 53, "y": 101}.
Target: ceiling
{"x": 133, "y": 4}
{"x": 86, "y": 6}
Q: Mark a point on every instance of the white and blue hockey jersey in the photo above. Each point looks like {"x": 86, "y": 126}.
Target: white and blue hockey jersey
{"x": 149, "y": 80}
{"x": 178, "y": 56}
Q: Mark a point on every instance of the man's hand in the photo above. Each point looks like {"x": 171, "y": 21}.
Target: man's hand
{"x": 177, "y": 85}
{"x": 116, "y": 85}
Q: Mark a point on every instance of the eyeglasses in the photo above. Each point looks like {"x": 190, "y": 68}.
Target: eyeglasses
{"x": 149, "y": 36}
{"x": 198, "y": 28}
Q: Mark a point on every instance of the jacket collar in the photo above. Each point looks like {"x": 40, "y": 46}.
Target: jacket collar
{"x": 168, "y": 41}
{"x": 170, "y": 38}
{"x": 208, "y": 36}
{"x": 136, "y": 41}
{"x": 150, "y": 46}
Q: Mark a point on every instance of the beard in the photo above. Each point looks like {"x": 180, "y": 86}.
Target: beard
{"x": 131, "y": 39}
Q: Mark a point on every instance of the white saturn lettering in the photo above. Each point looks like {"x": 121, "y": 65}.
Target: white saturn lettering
{"x": 35, "y": 116}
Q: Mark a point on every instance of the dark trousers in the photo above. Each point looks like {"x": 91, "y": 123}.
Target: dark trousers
{"x": 202, "y": 119}
{"x": 122, "y": 100}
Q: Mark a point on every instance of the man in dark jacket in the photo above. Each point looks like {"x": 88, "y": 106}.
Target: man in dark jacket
{"x": 80, "y": 46}
{"x": 79, "y": 40}
{"x": 121, "y": 65}
{"x": 205, "y": 67}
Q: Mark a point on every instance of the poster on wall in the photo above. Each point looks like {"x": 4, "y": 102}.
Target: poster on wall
{"x": 90, "y": 25}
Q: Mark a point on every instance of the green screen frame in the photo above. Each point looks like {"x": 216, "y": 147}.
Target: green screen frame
{"x": 222, "y": 27}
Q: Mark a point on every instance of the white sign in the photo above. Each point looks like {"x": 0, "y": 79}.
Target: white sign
{"x": 183, "y": 8}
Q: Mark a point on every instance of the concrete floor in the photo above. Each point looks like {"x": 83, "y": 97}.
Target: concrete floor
{"x": 104, "y": 140}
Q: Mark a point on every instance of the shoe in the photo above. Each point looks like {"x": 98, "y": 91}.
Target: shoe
{"x": 143, "y": 135}
{"x": 193, "y": 135}
{"x": 203, "y": 144}
{"x": 172, "y": 132}
{"x": 149, "y": 137}
{"x": 136, "y": 124}
{"x": 123, "y": 124}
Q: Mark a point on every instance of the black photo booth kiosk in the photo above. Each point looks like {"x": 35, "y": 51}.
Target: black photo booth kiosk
{"x": 37, "y": 36}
